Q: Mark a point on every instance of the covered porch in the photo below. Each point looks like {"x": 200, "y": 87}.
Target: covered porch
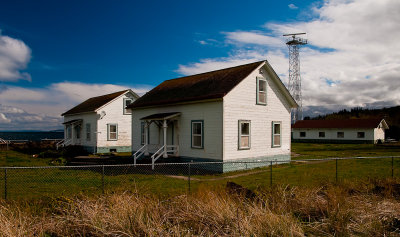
{"x": 168, "y": 130}
{"x": 72, "y": 131}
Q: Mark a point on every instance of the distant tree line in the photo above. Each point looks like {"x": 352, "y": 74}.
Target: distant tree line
{"x": 391, "y": 116}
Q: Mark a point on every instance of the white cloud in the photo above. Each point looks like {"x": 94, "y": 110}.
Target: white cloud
{"x": 14, "y": 57}
{"x": 4, "y": 119}
{"x": 292, "y": 6}
{"x": 41, "y": 108}
{"x": 355, "y": 49}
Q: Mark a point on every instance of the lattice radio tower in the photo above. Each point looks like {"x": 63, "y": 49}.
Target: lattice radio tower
{"x": 293, "y": 42}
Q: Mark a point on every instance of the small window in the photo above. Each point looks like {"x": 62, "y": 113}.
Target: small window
{"x": 321, "y": 134}
{"x": 127, "y": 101}
{"x": 112, "y": 132}
{"x": 360, "y": 134}
{"x": 302, "y": 134}
{"x": 78, "y": 131}
{"x": 88, "y": 132}
{"x": 244, "y": 134}
{"x": 69, "y": 132}
{"x": 261, "y": 91}
{"x": 276, "y": 134}
{"x": 197, "y": 134}
{"x": 143, "y": 134}
{"x": 340, "y": 134}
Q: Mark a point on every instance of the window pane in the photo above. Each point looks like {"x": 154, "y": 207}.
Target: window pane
{"x": 245, "y": 128}
{"x": 128, "y": 102}
{"x": 113, "y": 135}
{"x": 197, "y": 128}
{"x": 340, "y": 134}
{"x": 197, "y": 141}
{"x": 262, "y": 97}
{"x": 321, "y": 134}
{"x": 277, "y": 128}
{"x": 302, "y": 134}
{"x": 262, "y": 85}
{"x": 113, "y": 128}
{"x": 244, "y": 141}
{"x": 277, "y": 140}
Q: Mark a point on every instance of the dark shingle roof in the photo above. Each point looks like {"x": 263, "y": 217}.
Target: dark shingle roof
{"x": 91, "y": 104}
{"x": 209, "y": 85}
{"x": 345, "y": 123}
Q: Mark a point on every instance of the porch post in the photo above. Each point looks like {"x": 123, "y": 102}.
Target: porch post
{"x": 165, "y": 126}
{"x": 146, "y": 139}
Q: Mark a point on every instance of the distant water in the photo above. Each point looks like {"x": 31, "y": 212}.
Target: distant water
{"x": 31, "y": 136}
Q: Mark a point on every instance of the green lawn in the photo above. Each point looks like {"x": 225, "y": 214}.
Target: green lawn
{"x": 65, "y": 181}
{"x": 312, "y": 151}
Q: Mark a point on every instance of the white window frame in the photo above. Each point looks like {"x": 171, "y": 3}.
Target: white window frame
{"x": 126, "y": 111}
{"x": 275, "y": 134}
{"x": 88, "y": 132}
{"x": 109, "y": 131}
{"x": 240, "y": 135}
{"x": 201, "y": 122}
{"x": 258, "y": 91}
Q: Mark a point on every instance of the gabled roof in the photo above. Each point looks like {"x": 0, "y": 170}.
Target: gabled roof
{"x": 204, "y": 86}
{"x": 92, "y": 104}
{"x": 342, "y": 123}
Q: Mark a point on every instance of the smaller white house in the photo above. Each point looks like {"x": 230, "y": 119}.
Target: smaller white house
{"x": 340, "y": 131}
{"x": 101, "y": 124}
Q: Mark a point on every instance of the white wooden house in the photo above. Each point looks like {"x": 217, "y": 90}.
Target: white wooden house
{"x": 234, "y": 114}
{"x": 340, "y": 131}
{"x": 101, "y": 124}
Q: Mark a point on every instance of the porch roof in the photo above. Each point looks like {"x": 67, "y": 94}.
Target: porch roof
{"x": 161, "y": 116}
{"x": 74, "y": 121}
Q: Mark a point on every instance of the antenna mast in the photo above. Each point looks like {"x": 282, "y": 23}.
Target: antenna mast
{"x": 293, "y": 42}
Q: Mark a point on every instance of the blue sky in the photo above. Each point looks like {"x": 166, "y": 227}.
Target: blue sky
{"x": 122, "y": 41}
{"x": 55, "y": 54}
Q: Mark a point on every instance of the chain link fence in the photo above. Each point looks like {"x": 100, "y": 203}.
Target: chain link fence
{"x": 182, "y": 178}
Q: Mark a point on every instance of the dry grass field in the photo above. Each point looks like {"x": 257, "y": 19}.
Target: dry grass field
{"x": 368, "y": 208}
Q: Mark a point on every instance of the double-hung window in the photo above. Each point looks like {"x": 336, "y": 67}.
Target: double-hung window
{"x": 143, "y": 133}
{"x": 69, "y": 131}
{"x": 88, "y": 135}
{"x": 127, "y": 101}
{"x": 261, "y": 91}
{"x": 276, "y": 134}
{"x": 244, "y": 134}
{"x": 112, "y": 132}
{"x": 197, "y": 134}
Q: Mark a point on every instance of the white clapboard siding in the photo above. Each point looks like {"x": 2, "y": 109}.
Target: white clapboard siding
{"x": 114, "y": 115}
{"x": 331, "y": 134}
{"x": 87, "y": 118}
{"x": 240, "y": 104}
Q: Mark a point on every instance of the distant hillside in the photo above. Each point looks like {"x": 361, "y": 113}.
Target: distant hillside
{"x": 391, "y": 115}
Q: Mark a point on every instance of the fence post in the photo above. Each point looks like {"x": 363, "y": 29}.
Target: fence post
{"x": 102, "y": 179}
{"x": 270, "y": 173}
{"x": 189, "y": 178}
{"x": 392, "y": 167}
{"x": 5, "y": 184}
{"x": 336, "y": 170}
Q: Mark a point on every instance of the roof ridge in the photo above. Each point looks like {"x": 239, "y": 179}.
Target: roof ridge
{"x": 215, "y": 70}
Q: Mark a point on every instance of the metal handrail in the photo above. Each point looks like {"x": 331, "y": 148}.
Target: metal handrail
{"x": 155, "y": 156}
{"x": 139, "y": 153}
